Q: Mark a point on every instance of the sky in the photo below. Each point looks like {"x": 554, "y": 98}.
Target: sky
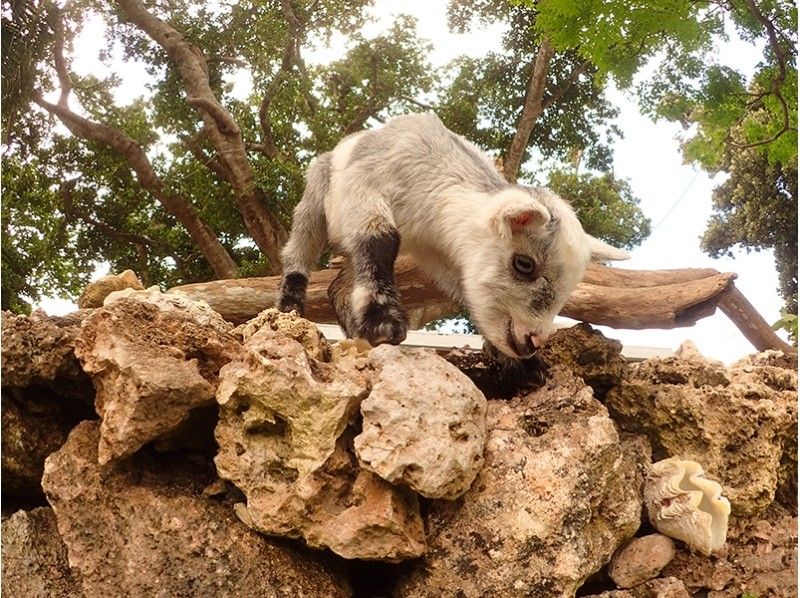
{"x": 675, "y": 196}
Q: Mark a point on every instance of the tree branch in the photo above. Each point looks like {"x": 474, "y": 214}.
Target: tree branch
{"x": 568, "y": 83}
{"x": 223, "y": 132}
{"x": 531, "y": 110}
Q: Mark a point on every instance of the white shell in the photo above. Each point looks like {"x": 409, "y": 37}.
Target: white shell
{"x": 685, "y": 505}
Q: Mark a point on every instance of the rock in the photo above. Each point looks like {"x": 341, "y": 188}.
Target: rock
{"x": 39, "y": 351}
{"x": 555, "y": 498}
{"x": 424, "y": 423}
{"x": 641, "y": 559}
{"x": 590, "y": 355}
{"x": 153, "y": 359}
{"x": 35, "y": 563}
{"x": 498, "y": 377}
{"x": 760, "y": 559}
{"x": 770, "y": 357}
{"x": 735, "y": 422}
{"x": 35, "y": 423}
{"x": 303, "y": 331}
{"x": 282, "y": 442}
{"x": 143, "y": 528}
{"x": 95, "y": 293}
{"x": 664, "y": 587}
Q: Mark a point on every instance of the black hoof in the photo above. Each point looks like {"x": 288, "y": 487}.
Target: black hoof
{"x": 383, "y": 323}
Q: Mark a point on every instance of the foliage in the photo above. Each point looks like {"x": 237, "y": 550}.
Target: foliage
{"x": 787, "y": 322}
{"x": 605, "y": 206}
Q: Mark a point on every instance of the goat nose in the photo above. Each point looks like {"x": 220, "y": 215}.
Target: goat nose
{"x": 531, "y": 343}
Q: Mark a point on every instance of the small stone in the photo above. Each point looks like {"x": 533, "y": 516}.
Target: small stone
{"x": 95, "y": 293}
{"x": 640, "y": 560}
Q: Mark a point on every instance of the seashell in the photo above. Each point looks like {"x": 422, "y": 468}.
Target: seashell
{"x": 683, "y": 504}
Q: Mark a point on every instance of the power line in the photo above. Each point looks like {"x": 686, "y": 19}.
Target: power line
{"x": 676, "y": 202}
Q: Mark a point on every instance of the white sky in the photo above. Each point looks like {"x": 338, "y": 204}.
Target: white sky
{"x": 676, "y": 197}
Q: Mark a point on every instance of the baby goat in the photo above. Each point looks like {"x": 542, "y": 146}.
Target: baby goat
{"x": 510, "y": 254}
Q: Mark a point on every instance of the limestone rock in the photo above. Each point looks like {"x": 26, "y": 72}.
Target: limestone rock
{"x": 95, "y": 292}
{"x": 424, "y": 423}
{"x": 663, "y": 587}
{"x": 281, "y": 441}
{"x": 144, "y": 529}
{"x": 555, "y": 498}
{"x": 760, "y": 559}
{"x": 299, "y": 329}
{"x": 770, "y": 357}
{"x": 35, "y": 563}
{"x": 39, "y": 351}
{"x": 153, "y": 358}
{"x": 736, "y": 422}
{"x": 590, "y": 355}
{"x": 641, "y": 559}
{"x": 35, "y": 423}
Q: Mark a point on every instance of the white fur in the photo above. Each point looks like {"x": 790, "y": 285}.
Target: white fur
{"x": 452, "y": 210}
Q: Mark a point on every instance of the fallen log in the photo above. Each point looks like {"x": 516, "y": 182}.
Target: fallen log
{"x": 635, "y": 299}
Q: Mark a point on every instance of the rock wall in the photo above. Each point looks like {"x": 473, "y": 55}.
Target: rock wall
{"x": 155, "y": 450}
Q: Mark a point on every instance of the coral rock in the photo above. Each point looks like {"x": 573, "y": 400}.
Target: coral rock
{"x": 424, "y": 423}
{"x": 281, "y": 433}
{"x": 35, "y": 563}
{"x": 153, "y": 358}
{"x": 144, "y": 529}
{"x": 555, "y": 498}
{"x": 299, "y": 329}
{"x": 663, "y": 587}
{"x": 737, "y": 422}
{"x": 640, "y": 560}
{"x": 95, "y": 293}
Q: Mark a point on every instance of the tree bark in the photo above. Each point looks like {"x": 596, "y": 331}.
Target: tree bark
{"x": 200, "y": 232}
{"x": 531, "y": 110}
{"x": 634, "y": 299}
{"x": 225, "y": 135}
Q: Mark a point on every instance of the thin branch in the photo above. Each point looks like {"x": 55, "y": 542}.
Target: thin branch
{"x": 568, "y": 83}
{"x": 62, "y": 69}
{"x": 531, "y": 110}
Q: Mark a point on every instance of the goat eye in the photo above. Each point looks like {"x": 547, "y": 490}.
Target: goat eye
{"x": 524, "y": 265}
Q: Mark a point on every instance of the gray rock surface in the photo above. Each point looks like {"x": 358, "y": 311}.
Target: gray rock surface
{"x": 143, "y": 528}
{"x": 554, "y": 500}
{"x": 424, "y": 423}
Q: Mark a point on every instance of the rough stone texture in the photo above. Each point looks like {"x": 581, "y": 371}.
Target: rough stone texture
{"x": 299, "y": 329}
{"x": 760, "y": 559}
{"x": 735, "y": 422}
{"x": 95, "y": 293}
{"x": 282, "y": 419}
{"x": 35, "y": 561}
{"x": 555, "y": 498}
{"x": 499, "y": 378}
{"x": 152, "y": 358}
{"x": 590, "y": 355}
{"x": 778, "y": 359}
{"x": 39, "y": 351}
{"x": 641, "y": 559}
{"x": 664, "y": 587}
{"x": 144, "y": 529}
{"x": 35, "y": 422}
{"x": 424, "y": 423}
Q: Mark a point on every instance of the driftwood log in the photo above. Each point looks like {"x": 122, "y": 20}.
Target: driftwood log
{"x": 635, "y": 299}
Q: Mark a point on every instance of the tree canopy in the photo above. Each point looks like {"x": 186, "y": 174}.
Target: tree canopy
{"x": 196, "y": 177}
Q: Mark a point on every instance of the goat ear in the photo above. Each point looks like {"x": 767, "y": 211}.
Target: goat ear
{"x": 519, "y": 217}
{"x": 603, "y": 252}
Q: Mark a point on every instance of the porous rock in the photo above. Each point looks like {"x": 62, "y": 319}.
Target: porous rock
{"x": 35, "y": 563}
{"x": 39, "y": 350}
{"x": 597, "y": 360}
{"x": 759, "y": 559}
{"x": 144, "y": 528}
{"x": 35, "y": 422}
{"x": 663, "y": 587}
{"x": 736, "y": 422}
{"x": 95, "y": 293}
{"x": 555, "y": 498}
{"x": 153, "y": 358}
{"x": 282, "y": 442}
{"x": 641, "y": 559}
{"x": 424, "y": 423}
{"x": 299, "y": 329}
